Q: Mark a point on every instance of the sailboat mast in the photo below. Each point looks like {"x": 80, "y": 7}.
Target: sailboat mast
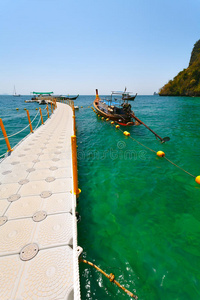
{"x": 14, "y": 93}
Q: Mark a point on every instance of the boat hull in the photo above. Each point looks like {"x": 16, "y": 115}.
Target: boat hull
{"x": 72, "y": 98}
{"x": 131, "y": 98}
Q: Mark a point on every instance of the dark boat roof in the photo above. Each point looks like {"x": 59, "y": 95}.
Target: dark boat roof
{"x": 43, "y": 93}
{"x": 121, "y": 93}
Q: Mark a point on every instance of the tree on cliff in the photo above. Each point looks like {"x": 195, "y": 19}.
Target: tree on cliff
{"x": 187, "y": 82}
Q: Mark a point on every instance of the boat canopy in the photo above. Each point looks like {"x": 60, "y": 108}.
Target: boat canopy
{"x": 38, "y": 93}
{"x": 120, "y": 93}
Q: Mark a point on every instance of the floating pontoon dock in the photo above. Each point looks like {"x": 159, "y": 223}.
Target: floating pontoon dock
{"x": 38, "y": 226}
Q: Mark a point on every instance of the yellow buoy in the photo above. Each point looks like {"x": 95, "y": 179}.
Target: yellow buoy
{"x": 112, "y": 122}
{"x": 81, "y": 106}
{"x": 107, "y": 119}
{"x": 36, "y": 109}
{"x": 126, "y": 133}
{"x": 117, "y": 126}
{"x": 17, "y": 108}
{"x": 102, "y": 118}
{"x": 24, "y": 108}
{"x": 160, "y": 153}
{"x": 197, "y": 179}
{"x": 98, "y": 115}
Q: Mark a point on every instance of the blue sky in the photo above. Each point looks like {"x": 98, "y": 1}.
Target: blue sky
{"x": 74, "y": 47}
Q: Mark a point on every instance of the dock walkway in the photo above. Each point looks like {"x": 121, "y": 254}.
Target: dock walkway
{"x": 38, "y": 226}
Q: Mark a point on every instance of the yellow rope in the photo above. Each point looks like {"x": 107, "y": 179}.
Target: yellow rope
{"x": 171, "y": 162}
{"x": 140, "y": 143}
{"x": 111, "y": 277}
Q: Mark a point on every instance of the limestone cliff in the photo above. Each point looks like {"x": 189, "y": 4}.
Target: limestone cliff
{"x": 187, "y": 82}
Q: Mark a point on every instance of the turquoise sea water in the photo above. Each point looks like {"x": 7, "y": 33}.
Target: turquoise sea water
{"x": 140, "y": 215}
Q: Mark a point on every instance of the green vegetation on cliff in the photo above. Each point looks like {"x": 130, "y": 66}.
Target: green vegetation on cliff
{"x": 187, "y": 82}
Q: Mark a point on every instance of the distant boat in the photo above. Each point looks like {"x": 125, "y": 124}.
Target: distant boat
{"x": 15, "y": 94}
{"x": 42, "y": 96}
{"x": 72, "y": 98}
{"x": 42, "y": 102}
{"x": 49, "y": 95}
{"x": 127, "y": 97}
{"x": 60, "y": 97}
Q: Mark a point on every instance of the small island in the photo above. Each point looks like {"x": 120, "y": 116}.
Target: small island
{"x": 187, "y": 82}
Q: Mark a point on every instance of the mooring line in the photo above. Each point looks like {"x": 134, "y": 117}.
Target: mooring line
{"x": 162, "y": 154}
{"x": 171, "y": 162}
{"x": 158, "y": 153}
{"x": 139, "y": 142}
{"x": 111, "y": 277}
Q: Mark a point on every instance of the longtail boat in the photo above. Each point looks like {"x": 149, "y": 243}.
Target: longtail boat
{"x": 116, "y": 109}
{"x": 72, "y": 98}
{"x": 120, "y": 112}
{"x": 127, "y": 97}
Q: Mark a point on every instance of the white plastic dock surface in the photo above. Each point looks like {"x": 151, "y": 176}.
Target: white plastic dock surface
{"x": 38, "y": 227}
